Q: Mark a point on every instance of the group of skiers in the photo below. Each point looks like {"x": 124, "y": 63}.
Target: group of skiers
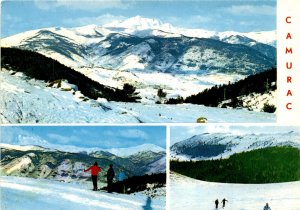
{"x": 95, "y": 169}
{"x": 223, "y": 202}
{"x": 266, "y": 207}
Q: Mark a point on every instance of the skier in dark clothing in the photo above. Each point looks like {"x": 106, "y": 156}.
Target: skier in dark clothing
{"x": 223, "y": 202}
{"x": 94, "y": 172}
{"x": 217, "y": 203}
{"x": 267, "y": 207}
{"x": 110, "y": 176}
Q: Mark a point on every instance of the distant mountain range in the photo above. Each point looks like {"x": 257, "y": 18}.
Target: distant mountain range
{"x": 133, "y": 44}
{"x": 222, "y": 145}
{"x": 146, "y": 53}
{"x": 40, "y": 162}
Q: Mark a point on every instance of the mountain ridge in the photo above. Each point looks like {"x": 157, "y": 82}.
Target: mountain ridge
{"x": 223, "y": 145}
{"x": 149, "y": 49}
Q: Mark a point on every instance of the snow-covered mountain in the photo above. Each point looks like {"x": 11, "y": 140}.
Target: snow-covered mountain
{"x": 124, "y": 152}
{"x": 222, "y": 145}
{"x": 150, "y": 54}
{"x": 144, "y": 27}
{"x": 128, "y": 51}
{"x": 65, "y": 166}
{"x": 19, "y": 139}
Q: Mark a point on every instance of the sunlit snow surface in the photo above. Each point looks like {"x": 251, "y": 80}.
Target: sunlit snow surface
{"x": 28, "y": 194}
{"x": 191, "y": 194}
{"x": 31, "y": 101}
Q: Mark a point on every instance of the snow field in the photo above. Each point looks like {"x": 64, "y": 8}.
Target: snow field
{"x": 187, "y": 193}
{"x": 31, "y": 101}
{"x": 24, "y": 193}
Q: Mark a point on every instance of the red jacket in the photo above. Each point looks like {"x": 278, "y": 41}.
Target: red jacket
{"x": 94, "y": 170}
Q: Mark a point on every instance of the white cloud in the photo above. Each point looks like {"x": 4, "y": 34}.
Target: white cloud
{"x": 251, "y": 10}
{"x": 89, "y": 5}
{"x": 134, "y": 133}
{"x": 63, "y": 139}
{"x": 129, "y": 133}
{"x": 98, "y": 20}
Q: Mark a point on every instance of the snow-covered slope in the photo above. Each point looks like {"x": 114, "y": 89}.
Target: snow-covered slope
{"x": 129, "y": 52}
{"x": 125, "y": 152}
{"x": 150, "y": 55}
{"x": 222, "y": 145}
{"x": 254, "y": 101}
{"x": 31, "y": 101}
{"x": 158, "y": 166}
{"x": 24, "y": 193}
{"x": 142, "y": 27}
{"x": 18, "y": 147}
{"x": 190, "y": 194}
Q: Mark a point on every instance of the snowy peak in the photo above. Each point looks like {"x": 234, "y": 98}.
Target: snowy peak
{"x": 66, "y": 166}
{"x": 20, "y": 148}
{"x": 124, "y": 152}
{"x": 135, "y": 26}
{"x": 119, "y": 152}
{"x": 138, "y": 23}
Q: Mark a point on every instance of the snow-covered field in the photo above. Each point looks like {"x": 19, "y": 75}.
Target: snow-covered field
{"x": 31, "y": 101}
{"x": 187, "y": 193}
{"x": 148, "y": 82}
{"x": 25, "y": 193}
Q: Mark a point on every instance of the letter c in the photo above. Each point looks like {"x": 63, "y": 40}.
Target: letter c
{"x": 288, "y": 19}
{"x": 288, "y": 106}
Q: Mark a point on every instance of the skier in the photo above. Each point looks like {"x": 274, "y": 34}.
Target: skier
{"x": 110, "y": 175}
{"x": 223, "y": 202}
{"x": 94, "y": 173}
{"x": 217, "y": 203}
{"x": 267, "y": 207}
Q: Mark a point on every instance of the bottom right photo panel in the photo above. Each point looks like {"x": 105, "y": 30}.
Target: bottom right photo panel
{"x": 234, "y": 167}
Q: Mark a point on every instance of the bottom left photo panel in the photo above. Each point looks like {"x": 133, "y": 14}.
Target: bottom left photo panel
{"x": 83, "y": 167}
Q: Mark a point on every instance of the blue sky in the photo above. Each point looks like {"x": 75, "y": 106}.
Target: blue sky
{"x": 104, "y": 137}
{"x": 180, "y": 133}
{"x": 243, "y": 16}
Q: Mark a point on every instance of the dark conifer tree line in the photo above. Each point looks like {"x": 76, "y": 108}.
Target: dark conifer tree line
{"x": 267, "y": 165}
{"x": 257, "y": 83}
{"x": 40, "y": 67}
{"x": 138, "y": 183}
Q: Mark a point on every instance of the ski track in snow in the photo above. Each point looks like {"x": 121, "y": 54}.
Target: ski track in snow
{"x": 24, "y": 193}
{"x": 30, "y": 101}
{"x": 187, "y": 193}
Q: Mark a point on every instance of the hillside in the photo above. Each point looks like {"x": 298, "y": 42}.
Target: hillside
{"x": 151, "y": 55}
{"x": 230, "y": 94}
{"x": 37, "y": 66}
{"x": 268, "y": 165}
{"x": 25, "y": 193}
{"x": 68, "y": 166}
{"x": 32, "y": 101}
{"x": 216, "y": 145}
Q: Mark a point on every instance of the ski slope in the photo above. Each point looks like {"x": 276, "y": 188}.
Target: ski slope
{"x": 24, "y": 193}
{"x": 25, "y": 100}
{"x": 187, "y": 193}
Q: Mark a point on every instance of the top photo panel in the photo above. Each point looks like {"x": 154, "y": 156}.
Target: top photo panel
{"x": 138, "y": 62}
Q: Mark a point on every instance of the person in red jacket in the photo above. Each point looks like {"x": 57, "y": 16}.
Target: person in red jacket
{"x": 94, "y": 172}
